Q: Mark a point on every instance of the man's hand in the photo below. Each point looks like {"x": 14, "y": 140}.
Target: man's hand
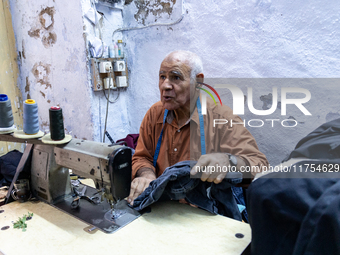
{"x": 140, "y": 183}
{"x": 214, "y": 173}
{"x": 219, "y": 164}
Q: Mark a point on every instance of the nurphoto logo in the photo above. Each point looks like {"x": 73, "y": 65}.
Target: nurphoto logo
{"x": 239, "y": 104}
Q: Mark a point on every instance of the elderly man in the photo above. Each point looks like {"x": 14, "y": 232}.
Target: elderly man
{"x": 165, "y": 136}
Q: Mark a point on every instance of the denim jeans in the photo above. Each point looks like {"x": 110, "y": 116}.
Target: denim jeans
{"x": 240, "y": 200}
{"x": 175, "y": 183}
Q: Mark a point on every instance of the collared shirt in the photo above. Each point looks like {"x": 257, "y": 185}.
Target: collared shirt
{"x": 183, "y": 143}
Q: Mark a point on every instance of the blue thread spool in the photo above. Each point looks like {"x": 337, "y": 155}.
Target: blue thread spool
{"x": 6, "y": 115}
{"x": 31, "y": 118}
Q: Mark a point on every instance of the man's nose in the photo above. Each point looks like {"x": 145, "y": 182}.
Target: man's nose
{"x": 166, "y": 84}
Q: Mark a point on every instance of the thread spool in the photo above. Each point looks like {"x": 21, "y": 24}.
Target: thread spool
{"x": 56, "y": 123}
{"x": 6, "y": 115}
{"x": 31, "y": 118}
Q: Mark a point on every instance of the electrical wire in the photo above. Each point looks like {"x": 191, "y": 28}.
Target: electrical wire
{"x": 107, "y": 104}
{"x": 107, "y": 113}
{"x": 112, "y": 102}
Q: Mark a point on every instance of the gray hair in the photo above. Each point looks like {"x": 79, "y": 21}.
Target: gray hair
{"x": 193, "y": 60}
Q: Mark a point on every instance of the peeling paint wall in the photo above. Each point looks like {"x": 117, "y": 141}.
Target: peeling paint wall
{"x": 119, "y": 123}
{"x": 235, "y": 39}
{"x": 251, "y": 39}
{"x": 43, "y": 29}
{"x": 52, "y": 61}
{"x": 153, "y": 9}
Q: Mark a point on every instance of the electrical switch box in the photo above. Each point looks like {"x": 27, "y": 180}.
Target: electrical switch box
{"x": 104, "y": 68}
{"x": 121, "y": 81}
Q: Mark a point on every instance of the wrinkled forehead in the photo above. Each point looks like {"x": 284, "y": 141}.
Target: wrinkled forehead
{"x": 175, "y": 63}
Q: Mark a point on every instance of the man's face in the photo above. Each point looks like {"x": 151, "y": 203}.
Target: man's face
{"x": 174, "y": 83}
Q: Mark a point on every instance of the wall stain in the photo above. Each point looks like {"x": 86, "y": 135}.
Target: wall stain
{"x": 19, "y": 59}
{"x": 27, "y": 87}
{"x": 43, "y": 29}
{"x": 35, "y": 33}
{"x": 42, "y": 93}
{"x": 292, "y": 123}
{"x": 157, "y": 8}
{"x": 72, "y": 62}
{"x": 279, "y": 105}
{"x": 49, "y": 11}
{"x": 267, "y": 101}
{"x": 49, "y": 39}
{"x": 45, "y": 126}
{"x": 41, "y": 72}
{"x": 23, "y": 49}
{"x": 48, "y": 101}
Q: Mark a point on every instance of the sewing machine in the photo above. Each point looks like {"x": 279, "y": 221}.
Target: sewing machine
{"x": 109, "y": 166}
{"x": 170, "y": 226}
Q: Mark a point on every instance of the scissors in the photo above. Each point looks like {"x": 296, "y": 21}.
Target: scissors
{"x": 76, "y": 201}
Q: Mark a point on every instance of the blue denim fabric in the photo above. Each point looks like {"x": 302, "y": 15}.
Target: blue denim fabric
{"x": 175, "y": 183}
{"x": 238, "y": 194}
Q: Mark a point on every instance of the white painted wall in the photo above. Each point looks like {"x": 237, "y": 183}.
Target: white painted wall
{"x": 247, "y": 39}
{"x": 118, "y": 124}
{"x": 235, "y": 39}
{"x": 52, "y": 61}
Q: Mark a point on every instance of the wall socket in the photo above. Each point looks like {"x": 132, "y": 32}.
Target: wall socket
{"x": 105, "y": 67}
{"x": 119, "y": 66}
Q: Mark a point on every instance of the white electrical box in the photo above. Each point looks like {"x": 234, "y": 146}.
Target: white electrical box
{"x": 105, "y": 67}
{"x": 119, "y": 66}
{"x": 108, "y": 83}
{"x": 121, "y": 81}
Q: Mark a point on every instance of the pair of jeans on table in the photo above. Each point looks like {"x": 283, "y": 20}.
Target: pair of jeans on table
{"x": 175, "y": 184}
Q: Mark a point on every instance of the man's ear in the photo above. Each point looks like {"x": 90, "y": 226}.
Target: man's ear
{"x": 200, "y": 77}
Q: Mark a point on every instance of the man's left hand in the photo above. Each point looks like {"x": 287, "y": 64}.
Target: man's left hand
{"x": 220, "y": 161}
